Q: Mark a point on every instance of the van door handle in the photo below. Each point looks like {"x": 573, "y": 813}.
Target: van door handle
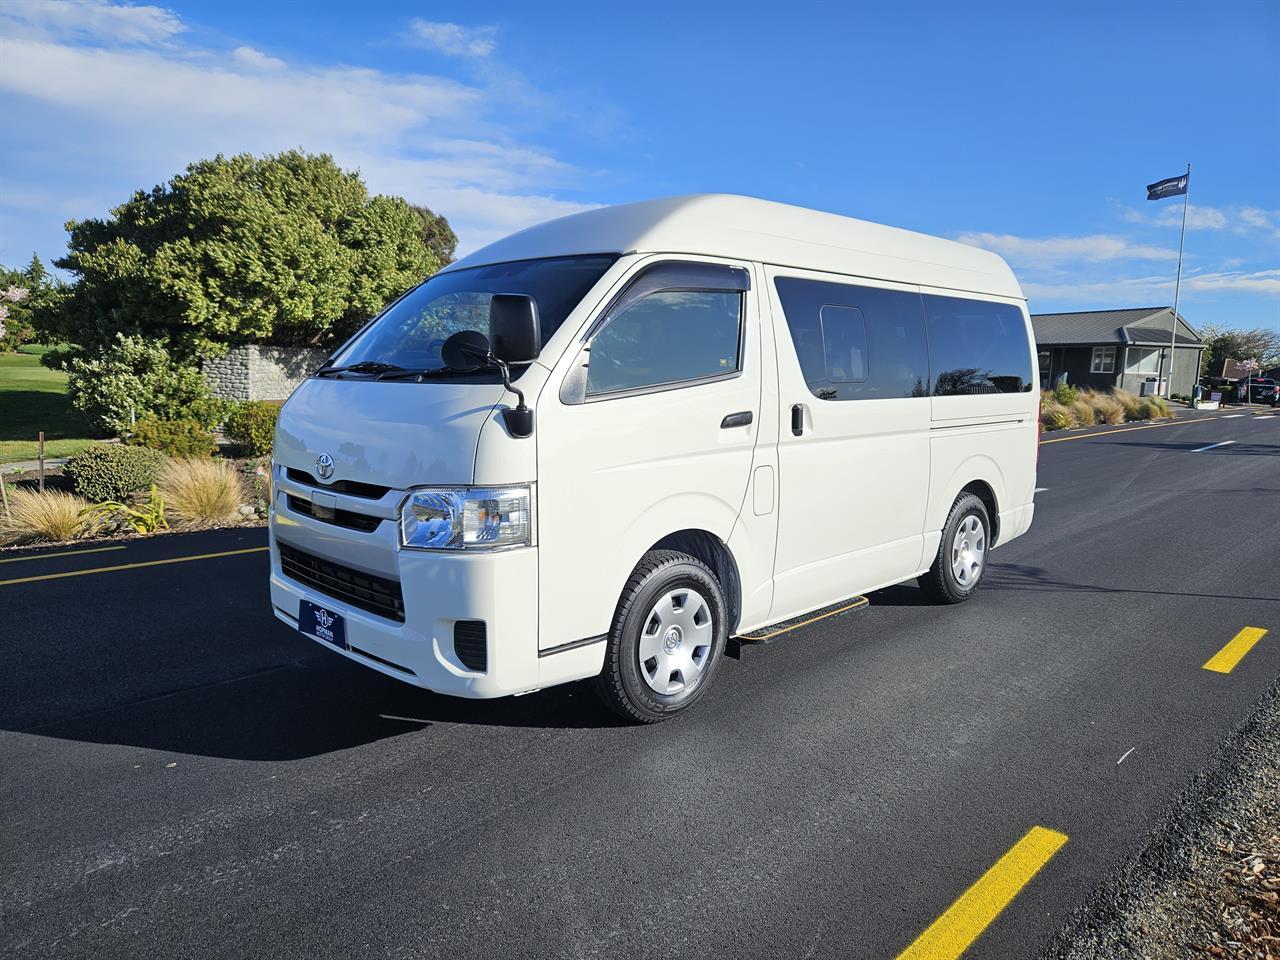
{"x": 797, "y": 419}
{"x": 736, "y": 420}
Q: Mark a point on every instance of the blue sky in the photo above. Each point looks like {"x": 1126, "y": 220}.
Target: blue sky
{"x": 1028, "y": 128}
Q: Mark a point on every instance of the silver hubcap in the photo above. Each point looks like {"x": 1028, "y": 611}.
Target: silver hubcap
{"x": 675, "y": 642}
{"x": 969, "y": 551}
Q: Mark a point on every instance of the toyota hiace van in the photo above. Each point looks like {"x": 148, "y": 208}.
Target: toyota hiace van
{"x": 604, "y": 446}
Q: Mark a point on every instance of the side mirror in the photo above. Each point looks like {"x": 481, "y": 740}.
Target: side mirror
{"x": 465, "y": 351}
{"x": 513, "y": 325}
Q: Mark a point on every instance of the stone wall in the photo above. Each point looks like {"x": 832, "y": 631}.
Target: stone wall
{"x": 260, "y": 373}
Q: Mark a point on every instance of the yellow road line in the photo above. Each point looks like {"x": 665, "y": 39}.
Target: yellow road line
{"x": 963, "y": 922}
{"x": 1225, "y": 660}
{"x": 860, "y": 602}
{"x": 1108, "y": 433}
{"x": 132, "y": 566}
{"x": 64, "y": 553}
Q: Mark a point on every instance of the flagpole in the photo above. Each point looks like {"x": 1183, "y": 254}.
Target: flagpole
{"x": 1177, "y": 287}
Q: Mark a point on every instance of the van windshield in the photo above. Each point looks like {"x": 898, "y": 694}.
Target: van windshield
{"x": 411, "y": 331}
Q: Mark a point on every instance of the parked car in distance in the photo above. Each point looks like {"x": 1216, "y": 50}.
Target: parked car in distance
{"x": 601, "y": 447}
{"x": 1256, "y": 390}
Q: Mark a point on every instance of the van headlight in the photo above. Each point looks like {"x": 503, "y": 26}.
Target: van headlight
{"x": 466, "y": 518}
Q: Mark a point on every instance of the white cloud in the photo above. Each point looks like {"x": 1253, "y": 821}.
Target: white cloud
{"x": 1145, "y": 290}
{"x": 1262, "y": 219}
{"x": 1049, "y": 251}
{"x": 256, "y": 59}
{"x": 95, "y": 20}
{"x": 1236, "y": 219}
{"x": 454, "y": 39}
{"x": 130, "y": 116}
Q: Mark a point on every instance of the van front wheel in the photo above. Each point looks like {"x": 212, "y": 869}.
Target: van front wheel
{"x": 962, "y": 555}
{"x": 667, "y": 636}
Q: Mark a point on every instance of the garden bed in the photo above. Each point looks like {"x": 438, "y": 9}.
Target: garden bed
{"x": 252, "y": 473}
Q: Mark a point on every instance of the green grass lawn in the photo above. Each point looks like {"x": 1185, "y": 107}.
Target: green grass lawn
{"x": 34, "y": 398}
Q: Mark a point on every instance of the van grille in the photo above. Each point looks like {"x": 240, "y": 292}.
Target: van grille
{"x": 341, "y": 518}
{"x": 354, "y": 488}
{"x": 469, "y": 643}
{"x": 374, "y": 594}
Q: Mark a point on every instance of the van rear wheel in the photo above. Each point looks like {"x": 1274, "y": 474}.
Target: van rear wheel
{"x": 667, "y": 636}
{"x": 962, "y": 555}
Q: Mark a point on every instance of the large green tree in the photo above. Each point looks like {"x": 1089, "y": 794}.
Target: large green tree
{"x": 285, "y": 249}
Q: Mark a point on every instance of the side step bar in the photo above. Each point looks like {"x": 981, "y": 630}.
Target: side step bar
{"x": 734, "y": 645}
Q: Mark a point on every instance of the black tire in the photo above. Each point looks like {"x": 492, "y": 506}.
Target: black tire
{"x": 620, "y": 684}
{"x": 940, "y": 583}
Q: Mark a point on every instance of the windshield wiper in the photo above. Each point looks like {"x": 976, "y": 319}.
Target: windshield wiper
{"x": 364, "y": 366}
{"x": 402, "y": 374}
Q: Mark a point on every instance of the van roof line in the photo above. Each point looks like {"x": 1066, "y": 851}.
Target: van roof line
{"x": 749, "y": 228}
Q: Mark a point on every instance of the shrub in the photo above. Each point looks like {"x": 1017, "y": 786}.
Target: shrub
{"x": 1132, "y": 407}
{"x": 252, "y": 424}
{"x": 200, "y": 491}
{"x": 35, "y": 516}
{"x": 1065, "y": 394}
{"x": 1055, "y": 416}
{"x": 177, "y": 438}
{"x": 135, "y": 378}
{"x": 1106, "y": 408}
{"x": 112, "y": 471}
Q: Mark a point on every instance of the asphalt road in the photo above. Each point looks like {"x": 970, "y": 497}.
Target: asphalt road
{"x": 182, "y": 776}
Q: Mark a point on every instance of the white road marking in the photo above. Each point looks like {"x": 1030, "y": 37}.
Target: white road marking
{"x": 1214, "y": 446}
{"x": 1041, "y": 489}
{"x": 1126, "y": 755}
{"x": 1231, "y": 416}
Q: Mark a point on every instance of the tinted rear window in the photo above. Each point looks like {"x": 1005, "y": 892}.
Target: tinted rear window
{"x": 977, "y": 346}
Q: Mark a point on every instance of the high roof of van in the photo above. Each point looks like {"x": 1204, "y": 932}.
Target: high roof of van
{"x": 747, "y": 228}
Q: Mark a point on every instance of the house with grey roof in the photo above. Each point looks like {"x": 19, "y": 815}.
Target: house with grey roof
{"x": 1105, "y": 349}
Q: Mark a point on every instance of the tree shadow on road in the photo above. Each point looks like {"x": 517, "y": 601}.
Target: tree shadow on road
{"x": 1236, "y": 449}
{"x": 1021, "y": 576}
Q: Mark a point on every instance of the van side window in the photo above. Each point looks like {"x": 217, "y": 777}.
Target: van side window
{"x": 856, "y": 343}
{"x": 977, "y": 346}
{"x": 667, "y": 337}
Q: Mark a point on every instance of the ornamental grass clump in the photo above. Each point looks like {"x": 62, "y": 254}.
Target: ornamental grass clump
{"x": 1155, "y": 408}
{"x": 1106, "y": 408}
{"x": 36, "y": 516}
{"x": 199, "y": 491}
{"x": 1055, "y": 416}
{"x": 1132, "y": 405}
{"x": 1082, "y": 412}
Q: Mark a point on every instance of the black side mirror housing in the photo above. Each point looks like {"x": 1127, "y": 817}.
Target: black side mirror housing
{"x": 513, "y": 327}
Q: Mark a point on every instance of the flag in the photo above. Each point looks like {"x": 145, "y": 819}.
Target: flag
{"x": 1173, "y": 187}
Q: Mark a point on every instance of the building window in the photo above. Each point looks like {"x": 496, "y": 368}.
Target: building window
{"x": 1104, "y": 360}
{"x": 1143, "y": 360}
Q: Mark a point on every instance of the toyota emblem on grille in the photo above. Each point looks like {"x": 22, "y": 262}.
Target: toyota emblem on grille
{"x": 324, "y": 466}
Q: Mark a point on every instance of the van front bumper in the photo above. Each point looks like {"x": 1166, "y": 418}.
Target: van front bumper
{"x": 438, "y": 589}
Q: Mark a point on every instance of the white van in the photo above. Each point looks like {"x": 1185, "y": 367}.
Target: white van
{"x": 604, "y": 445}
